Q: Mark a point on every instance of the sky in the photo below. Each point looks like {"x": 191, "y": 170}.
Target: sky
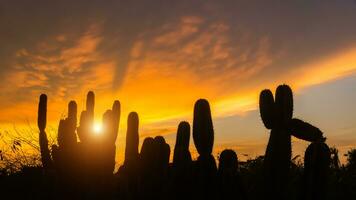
{"x": 158, "y": 57}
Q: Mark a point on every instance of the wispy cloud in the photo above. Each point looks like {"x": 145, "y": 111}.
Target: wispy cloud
{"x": 159, "y": 58}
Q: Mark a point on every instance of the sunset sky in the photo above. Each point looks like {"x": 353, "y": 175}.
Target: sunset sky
{"x": 159, "y": 57}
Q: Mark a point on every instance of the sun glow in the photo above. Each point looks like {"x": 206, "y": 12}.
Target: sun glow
{"x": 97, "y": 128}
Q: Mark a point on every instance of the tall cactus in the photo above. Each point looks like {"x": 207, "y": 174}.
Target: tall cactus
{"x": 86, "y": 119}
{"x": 181, "y": 154}
{"x": 66, "y": 130}
{"x": 277, "y": 115}
{"x": 203, "y": 136}
{"x": 132, "y": 138}
{"x": 316, "y": 171}
{"x": 116, "y": 113}
{"x": 203, "y": 132}
{"x": 41, "y": 122}
{"x": 90, "y": 106}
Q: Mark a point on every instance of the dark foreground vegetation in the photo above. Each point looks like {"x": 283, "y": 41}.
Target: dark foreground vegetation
{"x": 80, "y": 166}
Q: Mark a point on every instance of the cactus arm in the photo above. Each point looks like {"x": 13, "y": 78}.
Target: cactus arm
{"x": 108, "y": 126}
{"x": 90, "y": 106}
{"x": 267, "y": 108}
{"x": 83, "y": 129}
{"x": 116, "y": 111}
{"x": 284, "y": 104}
{"x": 67, "y": 127}
{"x": 305, "y": 131}
{"x": 72, "y": 116}
{"x": 41, "y": 121}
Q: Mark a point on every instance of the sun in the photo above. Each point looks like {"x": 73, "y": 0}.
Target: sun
{"x": 97, "y": 128}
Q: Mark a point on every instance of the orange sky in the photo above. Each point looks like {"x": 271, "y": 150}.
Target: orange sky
{"x": 159, "y": 64}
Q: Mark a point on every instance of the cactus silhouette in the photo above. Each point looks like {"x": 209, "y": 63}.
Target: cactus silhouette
{"x": 203, "y": 135}
{"x": 277, "y": 115}
{"x": 128, "y": 172}
{"x": 181, "y": 156}
{"x": 182, "y": 163}
{"x": 86, "y": 164}
{"x": 154, "y": 163}
{"x": 203, "y": 132}
{"x": 229, "y": 181}
{"x": 132, "y": 138}
{"x": 86, "y": 119}
{"x": 316, "y": 171}
{"x": 42, "y": 121}
{"x": 67, "y": 127}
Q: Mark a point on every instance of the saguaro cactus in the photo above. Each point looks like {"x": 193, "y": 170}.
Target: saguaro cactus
{"x": 41, "y": 122}
{"x": 316, "y": 171}
{"x": 277, "y": 115}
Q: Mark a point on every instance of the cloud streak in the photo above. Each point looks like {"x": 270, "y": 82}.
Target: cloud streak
{"x": 158, "y": 58}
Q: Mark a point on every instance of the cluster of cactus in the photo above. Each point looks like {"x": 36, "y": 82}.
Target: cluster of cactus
{"x": 91, "y": 159}
{"x": 144, "y": 174}
{"x": 276, "y": 114}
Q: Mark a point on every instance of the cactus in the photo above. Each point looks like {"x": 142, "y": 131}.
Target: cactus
{"x": 182, "y": 163}
{"x": 69, "y": 152}
{"x": 230, "y": 182}
{"x": 277, "y": 116}
{"x": 132, "y": 138}
{"x": 181, "y": 154}
{"x": 66, "y": 130}
{"x": 305, "y": 131}
{"x": 154, "y": 162}
{"x": 90, "y": 106}
{"x": 86, "y": 119}
{"x": 228, "y": 161}
{"x": 316, "y": 171}
{"x": 203, "y": 132}
{"x": 41, "y": 121}
{"x": 203, "y": 136}
{"x": 163, "y": 152}
{"x": 116, "y": 111}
